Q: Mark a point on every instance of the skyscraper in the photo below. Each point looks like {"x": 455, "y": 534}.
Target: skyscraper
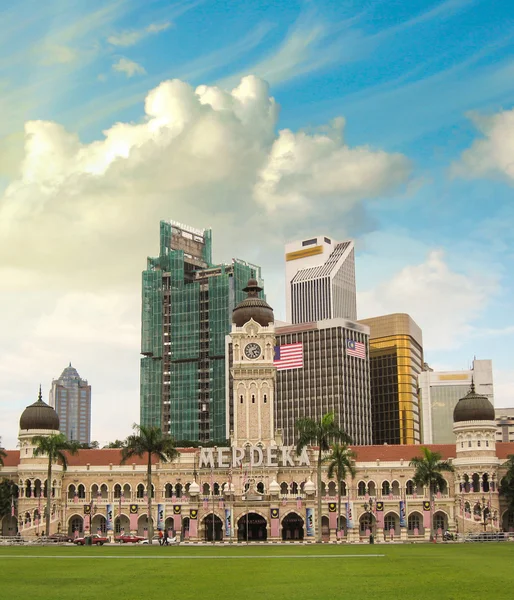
{"x": 70, "y": 396}
{"x": 321, "y": 367}
{"x": 440, "y": 392}
{"x": 320, "y": 280}
{"x": 187, "y": 304}
{"x": 396, "y": 359}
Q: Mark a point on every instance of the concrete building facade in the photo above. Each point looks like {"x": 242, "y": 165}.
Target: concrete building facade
{"x": 441, "y": 390}
{"x": 320, "y": 280}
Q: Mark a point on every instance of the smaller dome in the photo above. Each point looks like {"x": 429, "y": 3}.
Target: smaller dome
{"x": 39, "y": 416}
{"x": 274, "y": 488}
{"x": 309, "y": 487}
{"x": 194, "y": 489}
{"x": 253, "y": 307}
{"x": 473, "y": 407}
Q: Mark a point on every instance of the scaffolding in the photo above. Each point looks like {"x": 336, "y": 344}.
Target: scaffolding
{"x": 187, "y": 305}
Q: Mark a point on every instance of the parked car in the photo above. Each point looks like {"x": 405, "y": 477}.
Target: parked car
{"x": 172, "y": 541}
{"x": 95, "y": 540}
{"x": 60, "y": 537}
{"x": 129, "y": 538}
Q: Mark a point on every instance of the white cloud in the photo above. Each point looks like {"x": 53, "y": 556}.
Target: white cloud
{"x": 129, "y": 67}
{"x": 301, "y": 166}
{"x": 52, "y": 54}
{"x": 129, "y": 38}
{"x": 443, "y": 303}
{"x": 492, "y": 154}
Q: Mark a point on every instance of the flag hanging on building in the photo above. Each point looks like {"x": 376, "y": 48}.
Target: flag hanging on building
{"x": 427, "y": 508}
{"x": 356, "y": 349}
{"x": 289, "y": 356}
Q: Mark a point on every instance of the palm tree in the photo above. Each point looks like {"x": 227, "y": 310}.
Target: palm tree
{"x": 319, "y": 433}
{"x": 3, "y": 454}
{"x": 54, "y": 447}
{"x": 428, "y": 470}
{"x": 149, "y": 441}
{"x": 507, "y": 483}
{"x": 341, "y": 462}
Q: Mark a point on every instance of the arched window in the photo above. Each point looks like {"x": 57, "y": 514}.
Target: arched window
{"x": 76, "y": 524}
{"x": 216, "y": 489}
{"x": 265, "y": 398}
{"x": 386, "y": 488}
{"x": 361, "y": 488}
{"x": 206, "y": 489}
{"x": 253, "y": 399}
{"x": 168, "y": 490}
{"x": 390, "y": 522}
{"x": 117, "y": 491}
{"x": 284, "y": 488}
{"x": 71, "y": 492}
{"x": 476, "y": 482}
{"x": 241, "y": 399}
{"x": 260, "y": 487}
{"x": 342, "y": 491}
{"x": 485, "y": 482}
{"x": 140, "y": 491}
{"x": 413, "y": 522}
{"x": 178, "y": 490}
{"x": 294, "y": 488}
{"x": 332, "y": 488}
{"x": 81, "y": 491}
{"x": 409, "y": 488}
{"x": 104, "y": 491}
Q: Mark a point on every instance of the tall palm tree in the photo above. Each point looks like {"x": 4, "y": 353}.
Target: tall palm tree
{"x": 341, "y": 462}
{"x": 3, "y": 454}
{"x": 149, "y": 441}
{"x": 507, "y": 483}
{"x": 319, "y": 433}
{"x": 428, "y": 470}
{"x": 54, "y": 447}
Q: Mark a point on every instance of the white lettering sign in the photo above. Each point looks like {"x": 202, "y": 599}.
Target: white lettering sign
{"x": 273, "y": 456}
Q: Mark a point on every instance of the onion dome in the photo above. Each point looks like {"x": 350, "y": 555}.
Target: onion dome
{"x": 194, "y": 489}
{"x": 253, "y": 307}
{"x": 39, "y": 416}
{"x": 473, "y": 407}
{"x": 274, "y": 488}
{"x": 309, "y": 487}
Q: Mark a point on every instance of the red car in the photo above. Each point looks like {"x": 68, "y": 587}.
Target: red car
{"x": 95, "y": 540}
{"x": 128, "y": 538}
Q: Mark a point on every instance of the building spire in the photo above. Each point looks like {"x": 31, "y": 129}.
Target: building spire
{"x": 40, "y": 396}
{"x": 472, "y": 384}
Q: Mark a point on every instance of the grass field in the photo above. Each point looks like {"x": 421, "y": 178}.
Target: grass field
{"x": 379, "y": 572}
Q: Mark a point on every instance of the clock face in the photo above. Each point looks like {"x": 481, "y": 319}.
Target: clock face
{"x": 252, "y": 350}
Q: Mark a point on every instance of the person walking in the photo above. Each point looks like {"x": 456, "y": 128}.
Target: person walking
{"x": 161, "y": 537}
{"x": 165, "y": 537}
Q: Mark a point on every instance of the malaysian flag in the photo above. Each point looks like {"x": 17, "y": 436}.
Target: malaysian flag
{"x": 356, "y": 349}
{"x": 289, "y": 356}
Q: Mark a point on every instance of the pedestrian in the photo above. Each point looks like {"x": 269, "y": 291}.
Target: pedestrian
{"x": 160, "y": 537}
{"x": 165, "y": 537}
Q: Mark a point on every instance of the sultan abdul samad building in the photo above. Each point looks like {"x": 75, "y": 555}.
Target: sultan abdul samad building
{"x": 257, "y": 488}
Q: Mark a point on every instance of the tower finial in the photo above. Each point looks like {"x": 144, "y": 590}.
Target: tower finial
{"x": 40, "y": 396}
{"x": 472, "y": 384}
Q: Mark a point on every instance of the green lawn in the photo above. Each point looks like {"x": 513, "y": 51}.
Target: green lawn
{"x": 414, "y": 572}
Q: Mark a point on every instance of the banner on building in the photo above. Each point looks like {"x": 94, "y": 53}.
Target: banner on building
{"x": 332, "y": 515}
{"x": 403, "y": 516}
{"x": 426, "y": 514}
{"x": 108, "y": 518}
{"x": 349, "y": 515}
{"x": 310, "y": 522}
{"x": 177, "y": 517}
{"x": 275, "y": 522}
{"x": 160, "y": 516}
{"x": 87, "y": 509}
{"x": 228, "y": 522}
{"x": 193, "y": 522}
{"x": 380, "y": 514}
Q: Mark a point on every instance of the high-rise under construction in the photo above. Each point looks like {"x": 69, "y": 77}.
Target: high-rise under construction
{"x": 187, "y": 304}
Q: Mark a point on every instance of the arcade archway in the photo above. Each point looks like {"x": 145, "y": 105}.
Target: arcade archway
{"x": 292, "y": 527}
{"x": 213, "y": 531}
{"x": 252, "y": 528}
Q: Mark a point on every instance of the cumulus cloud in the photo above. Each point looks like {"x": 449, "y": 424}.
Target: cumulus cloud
{"x": 491, "y": 155}
{"x": 443, "y": 302}
{"x": 129, "y": 67}
{"x": 129, "y": 38}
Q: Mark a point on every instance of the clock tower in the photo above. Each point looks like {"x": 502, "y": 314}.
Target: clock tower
{"x": 253, "y": 371}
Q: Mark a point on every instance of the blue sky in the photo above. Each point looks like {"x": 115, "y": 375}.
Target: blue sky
{"x": 418, "y": 173}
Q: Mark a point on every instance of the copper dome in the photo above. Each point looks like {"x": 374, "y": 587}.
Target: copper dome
{"x": 39, "y": 416}
{"x": 473, "y": 407}
{"x": 252, "y": 307}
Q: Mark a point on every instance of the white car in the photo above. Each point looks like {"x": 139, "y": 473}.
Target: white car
{"x": 155, "y": 540}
